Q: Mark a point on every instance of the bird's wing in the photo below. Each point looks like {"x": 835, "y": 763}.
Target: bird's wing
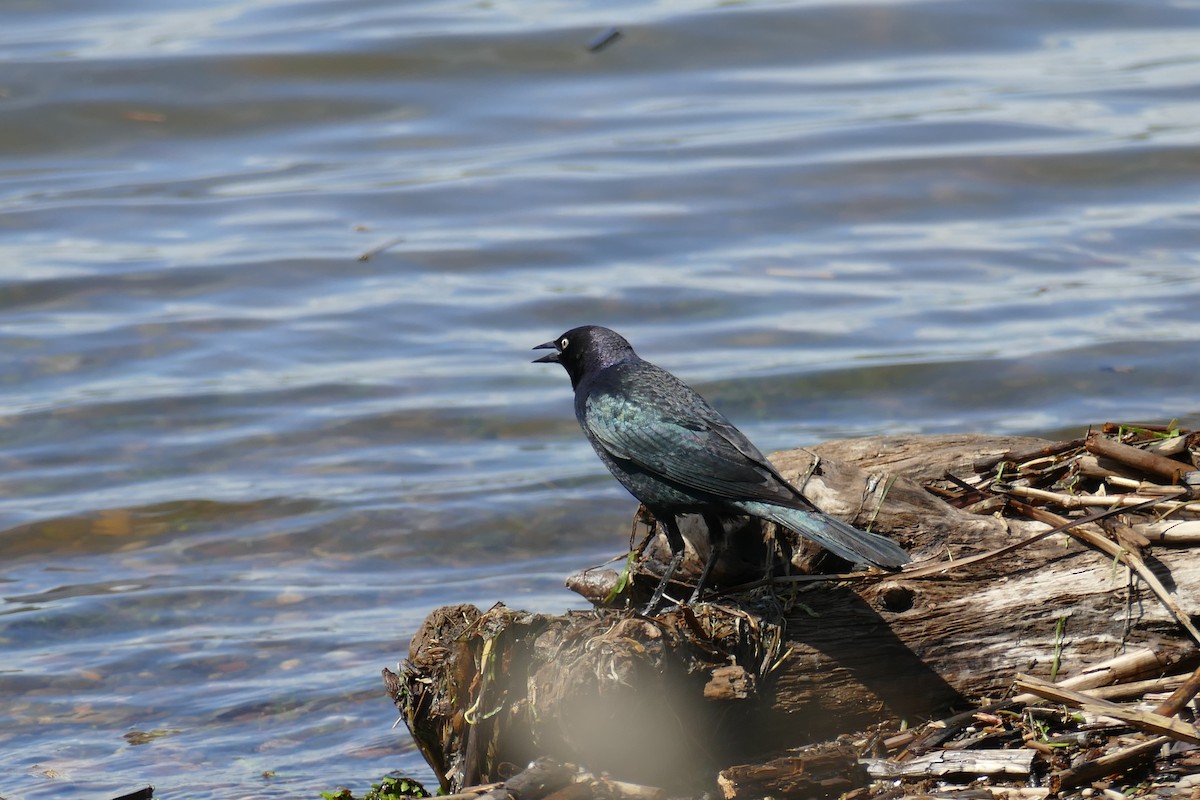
{"x": 652, "y": 419}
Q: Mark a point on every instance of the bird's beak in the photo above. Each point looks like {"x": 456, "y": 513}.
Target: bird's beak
{"x": 550, "y": 359}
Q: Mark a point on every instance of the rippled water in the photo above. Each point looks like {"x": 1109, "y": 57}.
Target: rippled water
{"x": 239, "y": 465}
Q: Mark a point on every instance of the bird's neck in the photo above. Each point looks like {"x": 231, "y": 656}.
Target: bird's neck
{"x": 600, "y": 366}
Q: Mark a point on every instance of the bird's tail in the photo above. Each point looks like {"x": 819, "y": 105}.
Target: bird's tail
{"x": 834, "y": 535}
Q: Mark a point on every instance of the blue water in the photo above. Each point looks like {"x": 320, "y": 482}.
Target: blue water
{"x": 238, "y": 465}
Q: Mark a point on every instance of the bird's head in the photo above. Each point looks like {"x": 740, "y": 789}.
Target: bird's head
{"x": 586, "y": 349}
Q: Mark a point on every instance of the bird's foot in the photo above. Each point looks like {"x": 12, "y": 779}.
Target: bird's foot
{"x": 657, "y": 597}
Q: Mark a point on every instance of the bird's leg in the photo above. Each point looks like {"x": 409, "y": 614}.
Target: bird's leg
{"x": 716, "y": 544}
{"x": 656, "y": 598}
{"x": 675, "y": 540}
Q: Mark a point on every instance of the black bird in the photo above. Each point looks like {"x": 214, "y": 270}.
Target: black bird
{"x": 679, "y": 455}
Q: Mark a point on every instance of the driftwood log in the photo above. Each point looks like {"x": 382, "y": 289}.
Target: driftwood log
{"x": 672, "y": 700}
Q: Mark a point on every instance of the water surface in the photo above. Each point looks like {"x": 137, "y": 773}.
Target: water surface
{"x": 239, "y": 465}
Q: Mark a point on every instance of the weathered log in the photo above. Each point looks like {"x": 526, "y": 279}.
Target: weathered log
{"x": 818, "y": 771}
{"x": 669, "y": 701}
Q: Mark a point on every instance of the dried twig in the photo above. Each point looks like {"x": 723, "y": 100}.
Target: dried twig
{"x": 946, "y": 763}
{"x": 1184, "y": 533}
{"x": 1098, "y": 500}
{"x": 1135, "y": 457}
{"x": 1021, "y": 456}
{"x": 379, "y": 248}
{"x": 1089, "y": 771}
{"x": 1133, "y": 689}
{"x": 1181, "y": 696}
{"x": 1145, "y": 720}
{"x": 1122, "y": 667}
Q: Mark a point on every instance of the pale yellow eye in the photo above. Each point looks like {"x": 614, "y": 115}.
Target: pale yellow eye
{"x": 562, "y": 345}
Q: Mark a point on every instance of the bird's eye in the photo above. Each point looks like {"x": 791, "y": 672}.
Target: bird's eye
{"x": 562, "y": 343}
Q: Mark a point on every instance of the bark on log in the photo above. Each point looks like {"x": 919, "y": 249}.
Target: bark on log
{"x": 818, "y": 771}
{"x": 671, "y": 700}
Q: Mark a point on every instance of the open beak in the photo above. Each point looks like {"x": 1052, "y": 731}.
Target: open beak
{"x": 550, "y": 359}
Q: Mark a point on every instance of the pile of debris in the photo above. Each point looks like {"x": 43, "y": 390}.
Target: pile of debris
{"x": 1100, "y": 706}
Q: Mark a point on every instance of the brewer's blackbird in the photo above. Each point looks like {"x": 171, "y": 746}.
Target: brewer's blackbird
{"x": 679, "y": 455}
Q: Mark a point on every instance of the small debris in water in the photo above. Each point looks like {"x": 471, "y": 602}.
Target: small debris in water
{"x": 603, "y": 39}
